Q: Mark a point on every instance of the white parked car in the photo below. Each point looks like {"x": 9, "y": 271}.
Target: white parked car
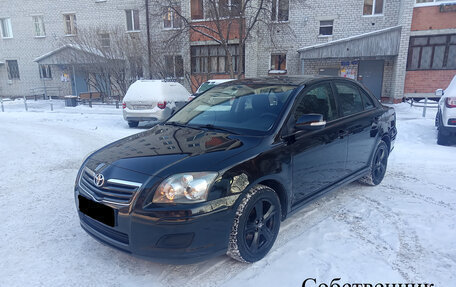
{"x": 207, "y": 85}
{"x": 152, "y": 100}
{"x": 446, "y": 115}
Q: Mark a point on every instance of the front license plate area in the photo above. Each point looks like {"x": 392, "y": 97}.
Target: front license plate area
{"x": 97, "y": 211}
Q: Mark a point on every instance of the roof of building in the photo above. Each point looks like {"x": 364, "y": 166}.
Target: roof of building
{"x": 69, "y": 54}
{"x": 384, "y": 42}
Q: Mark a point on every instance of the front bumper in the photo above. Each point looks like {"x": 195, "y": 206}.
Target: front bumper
{"x": 167, "y": 235}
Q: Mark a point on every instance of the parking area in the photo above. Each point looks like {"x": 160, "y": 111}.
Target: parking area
{"x": 401, "y": 231}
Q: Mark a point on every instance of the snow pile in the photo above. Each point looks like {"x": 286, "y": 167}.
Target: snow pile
{"x": 450, "y": 91}
{"x": 156, "y": 91}
{"x": 401, "y": 231}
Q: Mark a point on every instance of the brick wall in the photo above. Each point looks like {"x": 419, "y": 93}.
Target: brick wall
{"x": 430, "y": 18}
{"x": 427, "y": 81}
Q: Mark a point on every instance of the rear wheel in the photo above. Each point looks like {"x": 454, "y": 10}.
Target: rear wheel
{"x": 442, "y": 139}
{"x": 378, "y": 166}
{"x": 133, "y": 124}
{"x": 256, "y": 225}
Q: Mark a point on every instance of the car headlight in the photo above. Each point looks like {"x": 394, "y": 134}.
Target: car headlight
{"x": 189, "y": 187}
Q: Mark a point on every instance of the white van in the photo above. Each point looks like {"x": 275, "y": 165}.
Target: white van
{"x": 152, "y": 100}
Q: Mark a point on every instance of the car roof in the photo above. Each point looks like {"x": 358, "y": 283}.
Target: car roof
{"x": 287, "y": 80}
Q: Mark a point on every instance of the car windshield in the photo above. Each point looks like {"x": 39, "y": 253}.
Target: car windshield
{"x": 241, "y": 108}
{"x": 205, "y": 86}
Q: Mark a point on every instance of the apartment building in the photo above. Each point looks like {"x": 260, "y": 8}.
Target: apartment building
{"x": 431, "y": 61}
{"x": 41, "y": 43}
{"x": 367, "y": 40}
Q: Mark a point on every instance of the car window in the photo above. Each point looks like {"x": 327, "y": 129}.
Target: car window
{"x": 368, "y": 104}
{"x": 349, "y": 99}
{"x": 318, "y": 100}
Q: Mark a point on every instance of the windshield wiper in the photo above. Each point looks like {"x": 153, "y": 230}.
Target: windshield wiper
{"x": 212, "y": 127}
{"x": 175, "y": 124}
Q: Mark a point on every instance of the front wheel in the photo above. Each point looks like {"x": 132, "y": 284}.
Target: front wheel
{"x": 378, "y": 166}
{"x": 256, "y": 225}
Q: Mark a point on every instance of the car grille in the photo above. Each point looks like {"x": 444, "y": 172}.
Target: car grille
{"x": 113, "y": 190}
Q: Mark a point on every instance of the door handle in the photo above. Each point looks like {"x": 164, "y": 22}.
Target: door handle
{"x": 343, "y": 133}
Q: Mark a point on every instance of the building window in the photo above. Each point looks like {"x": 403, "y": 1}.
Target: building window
{"x": 278, "y": 62}
{"x": 132, "y": 20}
{"x": 105, "y": 40}
{"x": 229, "y": 7}
{"x": 373, "y": 7}
{"x": 6, "y": 29}
{"x": 174, "y": 66}
{"x": 13, "y": 69}
{"x": 70, "y": 24}
{"x": 171, "y": 18}
{"x": 45, "y": 71}
{"x": 326, "y": 28}
{"x": 38, "y": 22}
{"x": 279, "y": 11}
{"x": 197, "y": 9}
{"x": 213, "y": 59}
{"x": 432, "y": 53}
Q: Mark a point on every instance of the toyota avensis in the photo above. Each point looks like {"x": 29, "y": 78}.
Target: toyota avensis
{"x": 222, "y": 173}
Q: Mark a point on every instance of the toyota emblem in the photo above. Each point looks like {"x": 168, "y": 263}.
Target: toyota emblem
{"x": 98, "y": 179}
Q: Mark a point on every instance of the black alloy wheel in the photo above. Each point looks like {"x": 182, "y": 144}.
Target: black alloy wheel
{"x": 378, "y": 166}
{"x": 256, "y": 225}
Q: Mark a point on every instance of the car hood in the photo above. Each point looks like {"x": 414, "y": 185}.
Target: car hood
{"x": 164, "y": 146}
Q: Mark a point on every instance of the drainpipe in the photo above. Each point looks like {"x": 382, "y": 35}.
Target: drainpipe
{"x": 149, "y": 63}
{"x": 74, "y": 81}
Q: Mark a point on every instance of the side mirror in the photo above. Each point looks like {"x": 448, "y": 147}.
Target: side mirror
{"x": 310, "y": 122}
{"x": 439, "y": 92}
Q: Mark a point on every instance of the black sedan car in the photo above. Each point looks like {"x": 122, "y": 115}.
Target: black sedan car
{"x": 220, "y": 175}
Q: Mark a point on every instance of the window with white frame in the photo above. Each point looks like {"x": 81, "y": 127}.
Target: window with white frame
{"x": 132, "y": 20}
{"x": 13, "y": 69}
{"x": 229, "y": 7}
{"x": 70, "y": 24}
{"x": 278, "y": 62}
{"x": 373, "y": 7}
{"x": 6, "y": 29}
{"x": 45, "y": 71}
{"x": 171, "y": 18}
{"x": 280, "y": 10}
{"x": 174, "y": 66}
{"x": 38, "y": 23}
{"x": 326, "y": 28}
{"x": 105, "y": 40}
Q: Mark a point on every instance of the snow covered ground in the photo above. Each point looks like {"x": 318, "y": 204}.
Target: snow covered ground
{"x": 399, "y": 232}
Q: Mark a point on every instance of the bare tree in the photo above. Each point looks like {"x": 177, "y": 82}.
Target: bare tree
{"x": 229, "y": 22}
{"x": 111, "y": 59}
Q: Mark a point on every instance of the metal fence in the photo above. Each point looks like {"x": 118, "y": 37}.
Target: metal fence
{"x": 425, "y": 104}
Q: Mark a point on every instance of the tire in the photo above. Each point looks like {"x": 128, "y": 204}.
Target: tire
{"x": 256, "y": 225}
{"x": 378, "y": 166}
{"x": 442, "y": 139}
{"x": 133, "y": 124}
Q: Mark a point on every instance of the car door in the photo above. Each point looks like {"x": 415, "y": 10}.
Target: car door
{"x": 360, "y": 116}
{"x": 318, "y": 157}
